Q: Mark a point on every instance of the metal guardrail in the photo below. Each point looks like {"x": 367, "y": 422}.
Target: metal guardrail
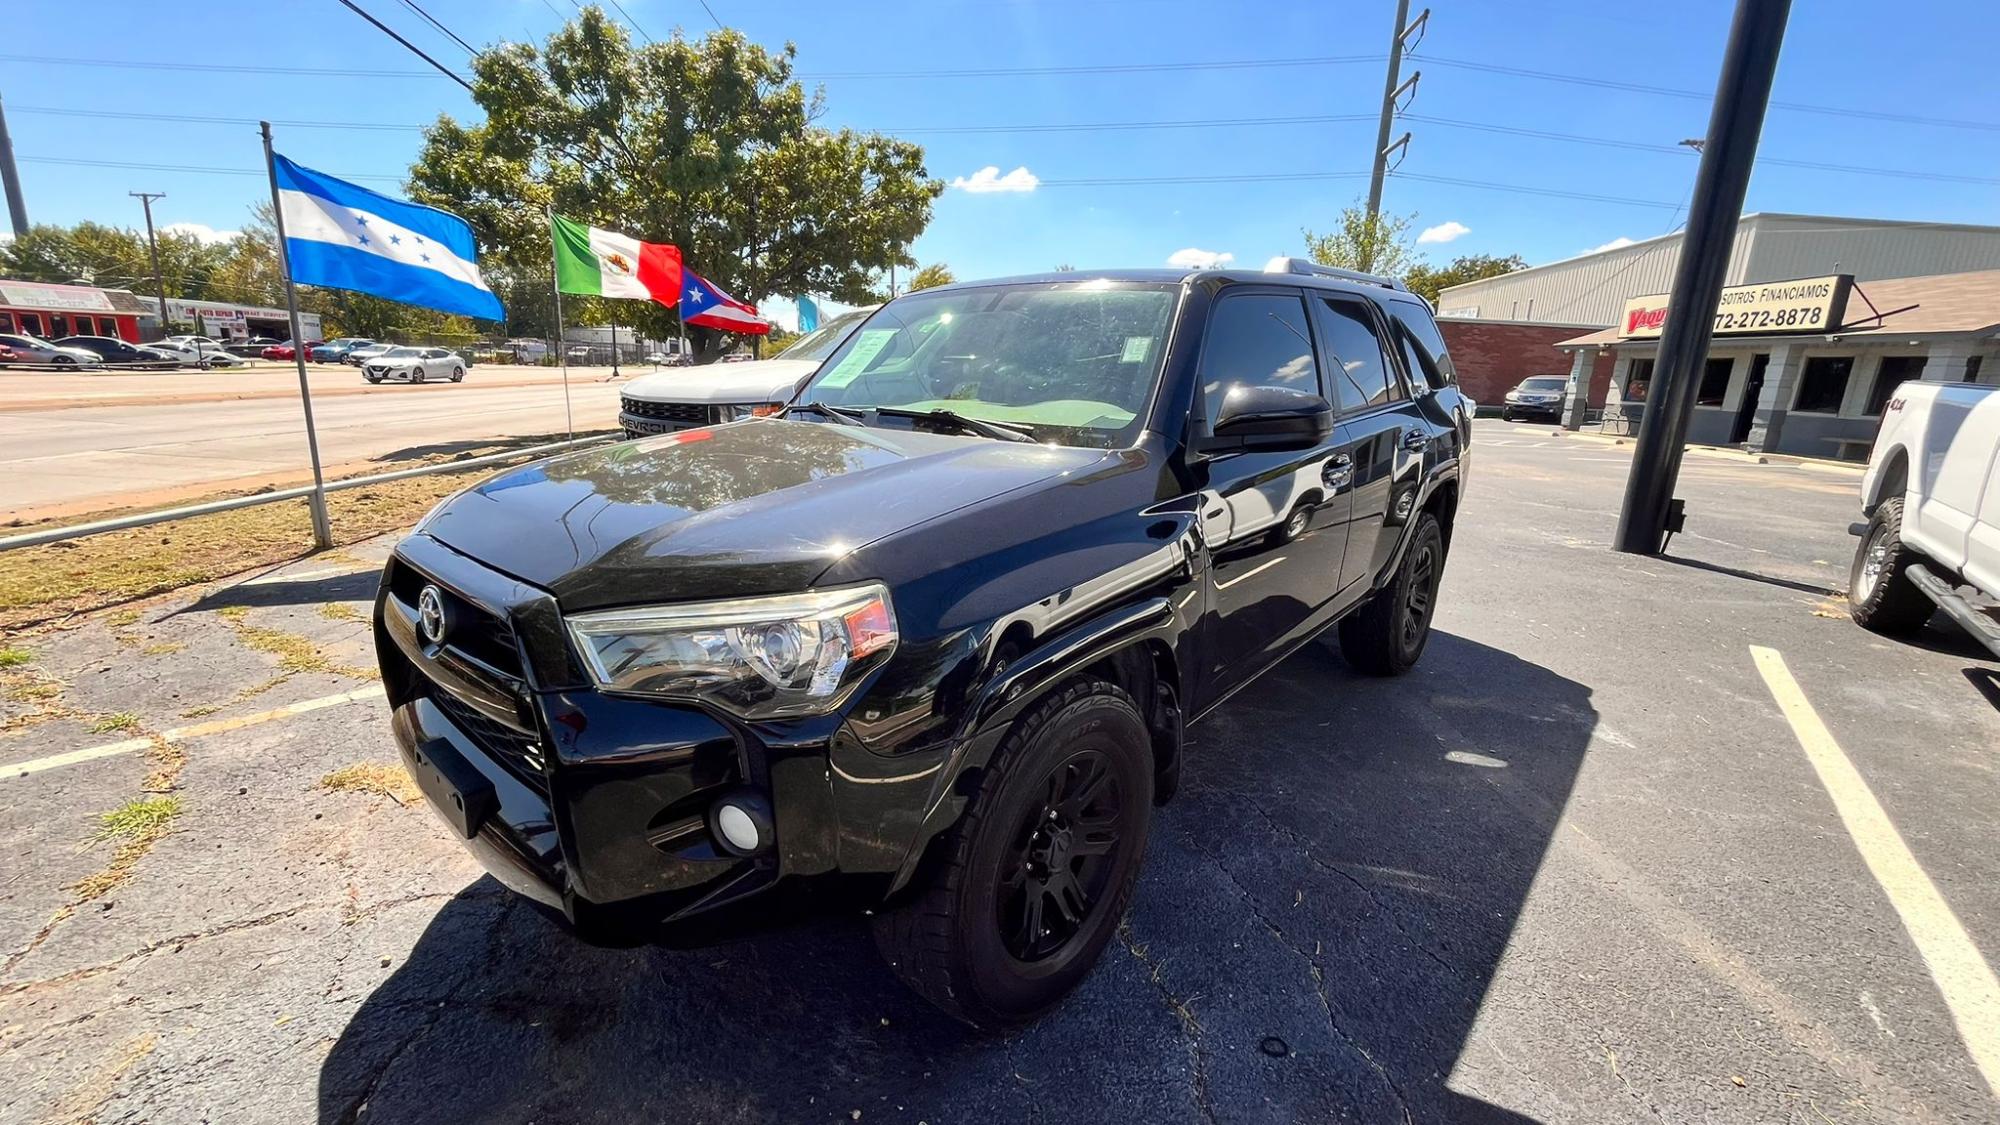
{"x": 166, "y": 515}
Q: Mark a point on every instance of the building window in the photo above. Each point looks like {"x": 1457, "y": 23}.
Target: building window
{"x": 1714, "y": 382}
{"x": 1894, "y": 372}
{"x": 1638, "y": 380}
{"x": 31, "y": 325}
{"x": 7, "y": 322}
{"x": 1972, "y": 368}
{"x": 1823, "y": 384}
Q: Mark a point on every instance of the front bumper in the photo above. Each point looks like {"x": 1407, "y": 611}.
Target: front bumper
{"x": 595, "y": 806}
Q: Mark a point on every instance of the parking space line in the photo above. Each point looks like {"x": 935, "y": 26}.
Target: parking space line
{"x": 183, "y": 734}
{"x": 1963, "y": 977}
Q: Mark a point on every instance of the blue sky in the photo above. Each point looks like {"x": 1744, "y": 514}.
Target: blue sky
{"x": 1933, "y": 60}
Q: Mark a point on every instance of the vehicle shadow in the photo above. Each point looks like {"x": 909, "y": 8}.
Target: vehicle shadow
{"x": 1322, "y": 911}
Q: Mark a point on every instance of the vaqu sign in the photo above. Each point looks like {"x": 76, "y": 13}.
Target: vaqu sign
{"x": 1805, "y": 304}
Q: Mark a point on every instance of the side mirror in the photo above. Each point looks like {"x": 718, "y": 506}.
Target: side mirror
{"x": 1268, "y": 419}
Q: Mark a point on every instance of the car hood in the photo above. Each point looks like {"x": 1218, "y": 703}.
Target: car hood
{"x": 756, "y": 507}
{"x": 767, "y": 380}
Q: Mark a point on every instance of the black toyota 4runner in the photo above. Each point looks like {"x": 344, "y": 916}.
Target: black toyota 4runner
{"x": 928, "y": 643}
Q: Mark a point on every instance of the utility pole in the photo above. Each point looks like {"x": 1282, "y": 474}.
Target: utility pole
{"x": 1399, "y": 42}
{"x": 1742, "y": 94}
{"x": 145, "y": 199}
{"x": 17, "y": 207}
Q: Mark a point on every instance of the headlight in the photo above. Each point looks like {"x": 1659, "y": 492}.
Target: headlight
{"x": 742, "y": 410}
{"x": 760, "y": 658}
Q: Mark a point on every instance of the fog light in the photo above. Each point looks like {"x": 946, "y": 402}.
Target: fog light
{"x": 742, "y": 821}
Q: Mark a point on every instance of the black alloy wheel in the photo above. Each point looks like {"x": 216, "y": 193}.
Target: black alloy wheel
{"x": 1388, "y": 633}
{"x": 1420, "y": 594}
{"x": 1059, "y": 865}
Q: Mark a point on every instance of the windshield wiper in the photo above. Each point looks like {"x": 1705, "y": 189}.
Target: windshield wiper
{"x": 836, "y": 413}
{"x": 965, "y": 422}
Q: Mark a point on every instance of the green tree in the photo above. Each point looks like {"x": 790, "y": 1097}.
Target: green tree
{"x": 708, "y": 144}
{"x": 1380, "y": 245}
{"x": 931, "y": 276}
{"x": 1428, "y": 280}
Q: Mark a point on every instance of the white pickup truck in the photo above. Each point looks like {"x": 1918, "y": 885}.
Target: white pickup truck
{"x": 1932, "y": 498}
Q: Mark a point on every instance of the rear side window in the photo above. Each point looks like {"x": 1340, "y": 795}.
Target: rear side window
{"x": 1423, "y": 345}
{"x": 1359, "y": 373}
{"x": 1256, "y": 340}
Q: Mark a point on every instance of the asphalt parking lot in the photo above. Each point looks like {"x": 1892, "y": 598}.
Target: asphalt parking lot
{"x": 1581, "y": 866}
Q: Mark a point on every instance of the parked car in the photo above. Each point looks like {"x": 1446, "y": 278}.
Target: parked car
{"x": 415, "y": 365}
{"x": 287, "y": 350}
{"x": 254, "y": 346}
{"x": 657, "y": 404}
{"x": 333, "y": 351}
{"x": 110, "y": 349}
{"x": 1537, "y": 396}
{"x": 579, "y": 353}
{"x": 34, "y": 349}
{"x": 928, "y": 643}
{"x": 364, "y": 353}
{"x": 198, "y": 351}
{"x": 1931, "y": 499}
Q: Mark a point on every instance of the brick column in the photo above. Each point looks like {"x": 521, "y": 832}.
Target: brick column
{"x": 1781, "y": 377}
{"x": 1945, "y": 362}
{"x": 1576, "y": 392}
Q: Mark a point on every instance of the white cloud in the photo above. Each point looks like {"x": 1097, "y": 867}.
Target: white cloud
{"x": 1614, "y": 244}
{"x": 1444, "y": 232}
{"x": 989, "y": 179}
{"x": 200, "y": 232}
{"x": 1195, "y": 258}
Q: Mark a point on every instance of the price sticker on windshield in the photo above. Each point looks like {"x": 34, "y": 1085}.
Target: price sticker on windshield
{"x": 1136, "y": 348}
{"x": 865, "y": 349}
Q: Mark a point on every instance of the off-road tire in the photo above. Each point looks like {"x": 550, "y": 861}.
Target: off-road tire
{"x": 945, "y": 943}
{"x": 1378, "y": 638}
{"x": 1888, "y": 602}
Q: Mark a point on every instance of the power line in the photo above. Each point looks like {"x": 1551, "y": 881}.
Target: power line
{"x": 222, "y": 68}
{"x": 1522, "y": 189}
{"x": 432, "y": 20}
{"x": 195, "y": 168}
{"x": 412, "y": 47}
{"x": 194, "y": 119}
{"x": 711, "y": 15}
{"x": 632, "y": 23}
{"x": 1103, "y": 68}
{"x": 1114, "y": 126}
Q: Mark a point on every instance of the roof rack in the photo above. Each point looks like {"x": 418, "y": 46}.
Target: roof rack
{"x": 1312, "y": 268}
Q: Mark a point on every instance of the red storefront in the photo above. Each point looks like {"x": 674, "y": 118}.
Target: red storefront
{"x": 34, "y": 308}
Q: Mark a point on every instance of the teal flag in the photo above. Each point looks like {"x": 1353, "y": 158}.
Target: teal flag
{"x": 808, "y": 314}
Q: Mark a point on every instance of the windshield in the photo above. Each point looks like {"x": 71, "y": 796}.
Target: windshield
{"x": 1073, "y": 362}
{"x": 820, "y": 342}
{"x": 1546, "y": 383}
{"x": 401, "y": 353}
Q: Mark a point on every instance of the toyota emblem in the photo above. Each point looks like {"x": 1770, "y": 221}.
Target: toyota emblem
{"x": 431, "y": 616}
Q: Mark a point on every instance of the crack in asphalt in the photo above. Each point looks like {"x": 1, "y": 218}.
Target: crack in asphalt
{"x": 436, "y": 1012}
{"x": 1318, "y": 976}
{"x": 1190, "y": 1026}
{"x": 1611, "y": 1056}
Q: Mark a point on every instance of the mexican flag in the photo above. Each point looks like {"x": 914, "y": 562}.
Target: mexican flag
{"x": 602, "y": 263}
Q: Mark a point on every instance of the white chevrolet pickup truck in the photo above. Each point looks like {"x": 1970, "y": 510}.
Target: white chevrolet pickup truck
{"x": 1931, "y": 496}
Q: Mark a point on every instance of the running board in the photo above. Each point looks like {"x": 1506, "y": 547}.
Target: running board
{"x": 1983, "y": 628}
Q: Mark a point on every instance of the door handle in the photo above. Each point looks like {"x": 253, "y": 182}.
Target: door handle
{"x": 1415, "y": 439}
{"x": 1338, "y": 471}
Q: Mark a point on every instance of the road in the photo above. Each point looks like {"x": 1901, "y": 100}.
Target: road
{"x": 1586, "y": 864}
{"x": 74, "y": 443}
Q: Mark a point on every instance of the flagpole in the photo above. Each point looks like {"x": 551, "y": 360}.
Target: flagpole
{"x": 562, "y": 353}
{"x": 322, "y": 527}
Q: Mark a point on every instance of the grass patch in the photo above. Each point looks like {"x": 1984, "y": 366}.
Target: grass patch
{"x": 168, "y": 760}
{"x": 116, "y": 721}
{"x": 44, "y": 583}
{"x": 295, "y": 653}
{"x": 375, "y": 778}
{"x": 137, "y": 826}
{"x": 233, "y": 613}
{"x": 162, "y": 648}
{"x": 123, "y": 618}
{"x": 340, "y": 611}
{"x": 198, "y": 712}
{"x": 15, "y": 657}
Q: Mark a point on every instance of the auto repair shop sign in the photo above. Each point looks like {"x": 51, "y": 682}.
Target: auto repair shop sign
{"x": 1805, "y": 304}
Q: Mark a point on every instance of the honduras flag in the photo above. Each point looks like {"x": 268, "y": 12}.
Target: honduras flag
{"x": 347, "y": 237}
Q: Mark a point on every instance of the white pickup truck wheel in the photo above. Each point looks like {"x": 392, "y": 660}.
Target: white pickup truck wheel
{"x": 1880, "y": 597}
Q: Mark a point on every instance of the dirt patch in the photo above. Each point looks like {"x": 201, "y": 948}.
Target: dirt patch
{"x": 375, "y": 778}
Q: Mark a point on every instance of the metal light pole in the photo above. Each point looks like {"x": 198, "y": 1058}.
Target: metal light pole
{"x": 1390, "y": 91}
{"x": 145, "y": 199}
{"x": 10, "y": 178}
{"x": 1742, "y": 94}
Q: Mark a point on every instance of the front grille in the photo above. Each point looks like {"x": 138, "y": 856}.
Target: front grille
{"x": 520, "y": 754}
{"x": 474, "y": 632}
{"x": 686, "y": 413}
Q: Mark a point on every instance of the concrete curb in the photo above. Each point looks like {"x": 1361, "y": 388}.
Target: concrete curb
{"x": 1818, "y": 464}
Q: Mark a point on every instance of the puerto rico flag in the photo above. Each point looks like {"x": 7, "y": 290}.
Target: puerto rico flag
{"x": 704, "y": 304}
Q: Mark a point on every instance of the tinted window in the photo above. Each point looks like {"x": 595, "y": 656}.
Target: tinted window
{"x": 1422, "y": 344}
{"x": 1714, "y": 382}
{"x": 1895, "y": 371}
{"x": 1823, "y": 384}
{"x": 1256, "y": 340}
{"x": 1357, "y": 369}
